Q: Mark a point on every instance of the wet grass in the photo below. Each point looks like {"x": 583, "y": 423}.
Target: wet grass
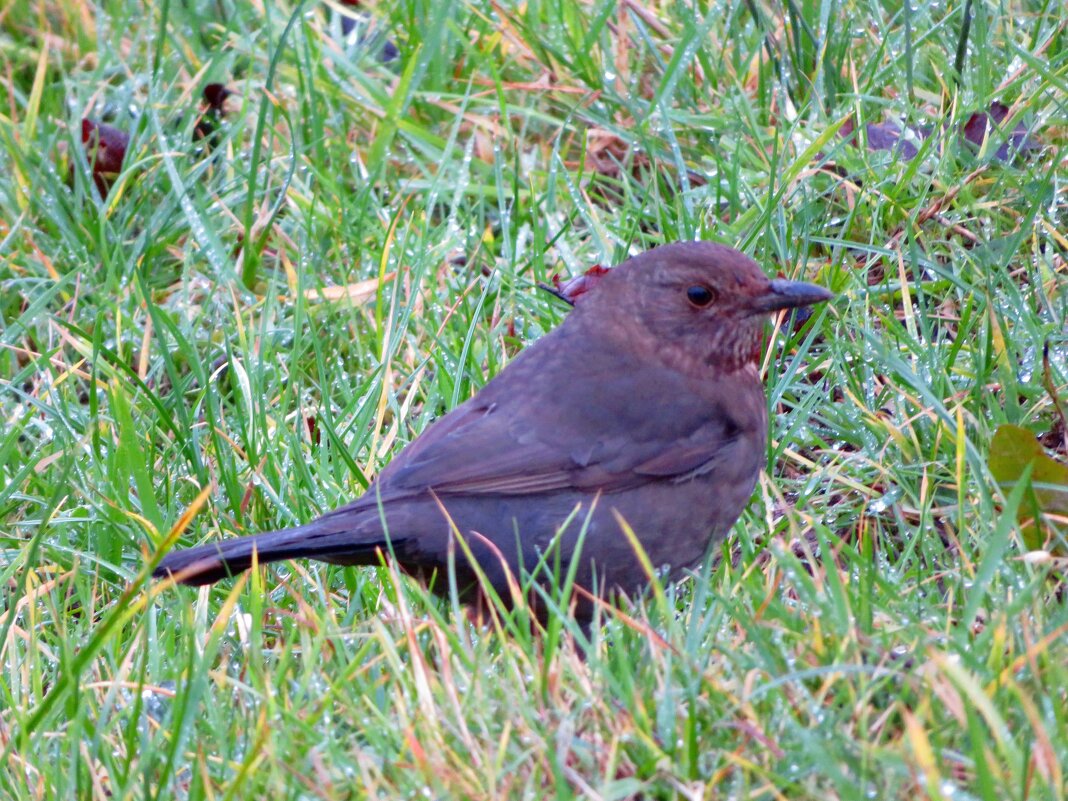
{"x": 245, "y": 328}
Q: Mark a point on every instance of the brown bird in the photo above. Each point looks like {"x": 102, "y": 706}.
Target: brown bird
{"x": 644, "y": 405}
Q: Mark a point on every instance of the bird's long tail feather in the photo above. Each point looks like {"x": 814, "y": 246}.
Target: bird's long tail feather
{"x": 319, "y": 539}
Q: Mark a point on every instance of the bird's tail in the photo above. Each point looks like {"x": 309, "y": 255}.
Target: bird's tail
{"x": 320, "y": 539}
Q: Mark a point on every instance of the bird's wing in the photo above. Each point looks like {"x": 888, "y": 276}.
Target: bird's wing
{"x": 522, "y": 436}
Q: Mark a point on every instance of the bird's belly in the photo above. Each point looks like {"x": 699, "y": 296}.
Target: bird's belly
{"x": 674, "y": 523}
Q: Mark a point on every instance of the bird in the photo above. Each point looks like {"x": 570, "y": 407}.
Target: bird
{"x": 643, "y": 410}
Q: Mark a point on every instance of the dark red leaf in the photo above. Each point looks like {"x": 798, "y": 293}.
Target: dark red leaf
{"x": 215, "y": 95}
{"x": 207, "y": 128}
{"x": 105, "y": 147}
{"x": 888, "y": 136}
{"x": 390, "y": 52}
{"x": 312, "y": 422}
{"x": 574, "y": 288}
{"x": 976, "y": 129}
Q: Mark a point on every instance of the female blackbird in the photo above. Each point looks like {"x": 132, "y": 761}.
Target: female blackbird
{"x": 643, "y": 406}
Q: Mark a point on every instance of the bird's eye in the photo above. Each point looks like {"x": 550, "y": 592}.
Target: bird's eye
{"x": 700, "y": 295}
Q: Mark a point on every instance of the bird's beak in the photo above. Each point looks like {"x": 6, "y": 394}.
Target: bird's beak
{"x": 783, "y": 294}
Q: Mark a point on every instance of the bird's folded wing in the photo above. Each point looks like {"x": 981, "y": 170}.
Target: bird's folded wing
{"x": 504, "y": 444}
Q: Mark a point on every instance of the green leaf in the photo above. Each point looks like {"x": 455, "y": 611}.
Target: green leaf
{"x": 1012, "y": 451}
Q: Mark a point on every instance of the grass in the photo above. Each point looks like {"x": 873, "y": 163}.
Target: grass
{"x": 176, "y": 365}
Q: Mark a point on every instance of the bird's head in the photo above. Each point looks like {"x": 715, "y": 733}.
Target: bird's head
{"x": 698, "y": 305}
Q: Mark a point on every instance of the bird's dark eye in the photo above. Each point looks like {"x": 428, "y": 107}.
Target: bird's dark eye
{"x": 700, "y": 295}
